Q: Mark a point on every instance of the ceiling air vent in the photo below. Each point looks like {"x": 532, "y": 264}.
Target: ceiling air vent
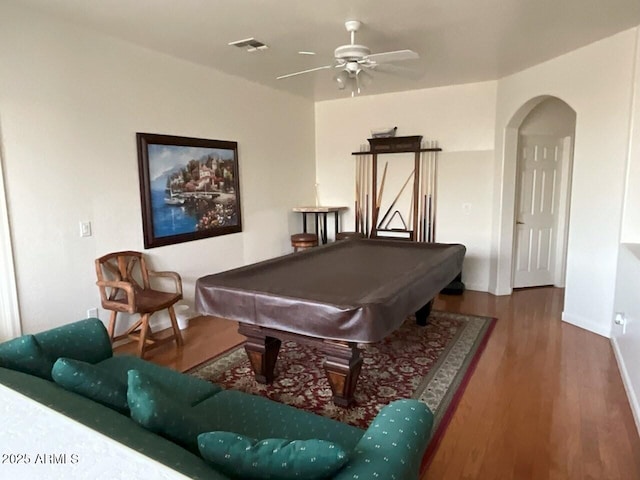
{"x": 250, "y": 44}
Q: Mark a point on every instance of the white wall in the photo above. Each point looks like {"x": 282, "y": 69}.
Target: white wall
{"x": 71, "y": 102}
{"x": 596, "y": 82}
{"x": 627, "y": 340}
{"x": 631, "y": 216}
{"x": 460, "y": 118}
{"x": 551, "y": 117}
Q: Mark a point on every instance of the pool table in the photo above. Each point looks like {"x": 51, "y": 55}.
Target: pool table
{"x": 332, "y": 297}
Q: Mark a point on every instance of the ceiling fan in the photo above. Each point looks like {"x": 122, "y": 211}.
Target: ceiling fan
{"x": 354, "y": 60}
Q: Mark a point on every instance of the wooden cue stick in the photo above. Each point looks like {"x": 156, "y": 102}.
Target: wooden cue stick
{"x": 397, "y": 197}
{"x": 361, "y": 194}
{"x": 421, "y": 211}
{"x": 413, "y": 198}
{"x": 435, "y": 186}
{"x": 376, "y": 212}
{"x": 425, "y": 194}
{"x": 357, "y": 193}
{"x": 368, "y": 190}
{"x": 366, "y": 213}
{"x": 384, "y": 176}
{"x": 424, "y": 218}
{"x": 410, "y": 216}
{"x": 429, "y": 215}
{"x": 429, "y": 198}
{"x": 428, "y": 186}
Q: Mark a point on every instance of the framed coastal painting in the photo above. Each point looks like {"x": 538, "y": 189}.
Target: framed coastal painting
{"x": 189, "y": 188}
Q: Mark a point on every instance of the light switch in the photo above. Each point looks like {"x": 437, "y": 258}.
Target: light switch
{"x": 85, "y": 229}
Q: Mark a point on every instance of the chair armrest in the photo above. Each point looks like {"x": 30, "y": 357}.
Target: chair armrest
{"x": 393, "y": 445}
{"x": 173, "y": 275}
{"x": 126, "y": 286}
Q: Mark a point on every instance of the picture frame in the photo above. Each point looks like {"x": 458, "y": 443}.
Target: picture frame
{"x": 189, "y": 188}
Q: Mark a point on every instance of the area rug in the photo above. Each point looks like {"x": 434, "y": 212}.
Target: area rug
{"x": 431, "y": 364}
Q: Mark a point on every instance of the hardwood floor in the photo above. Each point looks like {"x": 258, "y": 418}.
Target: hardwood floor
{"x": 546, "y": 400}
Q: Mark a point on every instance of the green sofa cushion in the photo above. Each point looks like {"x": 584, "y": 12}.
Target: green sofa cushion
{"x": 249, "y": 459}
{"x": 259, "y": 417}
{"x": 185, "y": 388}
{"x": 89, "y": 381}
{"x": 158, "y": 410}
{"x": 85, "y": 340}
{"x": 24, "y": 354}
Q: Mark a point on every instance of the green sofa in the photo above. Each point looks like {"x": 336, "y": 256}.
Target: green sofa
{"x": 391, "y": 448}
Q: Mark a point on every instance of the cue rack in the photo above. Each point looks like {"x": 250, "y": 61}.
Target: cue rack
{"x": 374, "y": 223}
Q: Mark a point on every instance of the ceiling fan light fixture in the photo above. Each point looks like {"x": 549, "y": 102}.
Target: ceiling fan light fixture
{"x": 342, "y": 79}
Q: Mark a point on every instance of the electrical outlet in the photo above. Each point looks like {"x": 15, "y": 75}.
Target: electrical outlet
{"x": 466, "y": 208}
{"x": 621, "y": 320}
{"x": 92, "y": 313}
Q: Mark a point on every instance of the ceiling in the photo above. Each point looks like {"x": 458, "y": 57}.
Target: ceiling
{"x": 459, "y": 41}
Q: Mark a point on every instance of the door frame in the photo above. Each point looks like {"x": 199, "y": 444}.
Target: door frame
{"x": 10, "y": 325}
{"x": 562, "y": 239}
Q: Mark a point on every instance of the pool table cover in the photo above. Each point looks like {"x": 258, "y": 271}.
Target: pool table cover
{"x": 357, "y": 290}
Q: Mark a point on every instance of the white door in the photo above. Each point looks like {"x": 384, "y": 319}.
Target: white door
{"x": 539, "y": 167}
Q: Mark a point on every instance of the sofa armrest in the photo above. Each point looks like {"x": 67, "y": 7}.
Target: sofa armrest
{"x": 393, "y": 445}
{"x": 86, "y": 340}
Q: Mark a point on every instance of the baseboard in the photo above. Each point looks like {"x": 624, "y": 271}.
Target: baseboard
{"x": 626, "y": 381}
{"x": 477, "y": 287}
{"x": 586, "y": 324}
{"x": 499, "y": 292}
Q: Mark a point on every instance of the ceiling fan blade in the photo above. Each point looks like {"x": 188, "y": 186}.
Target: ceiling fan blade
{"x": 389, "y": 68}
{"x": 303, "y": 71}
{"x": 397, "y": 56}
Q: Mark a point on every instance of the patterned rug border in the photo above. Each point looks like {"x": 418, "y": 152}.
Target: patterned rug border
{"x": 451, "y": 372}
{"x": 442, "y": 417}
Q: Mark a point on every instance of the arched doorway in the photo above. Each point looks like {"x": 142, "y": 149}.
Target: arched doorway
{"x": 506, "y": 243}
{"x": 543, "y": 171}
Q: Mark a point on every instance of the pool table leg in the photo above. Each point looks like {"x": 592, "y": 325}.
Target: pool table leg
{"x": 422, "y": 315}
{"x": 263, "y": 354}
{"x": 342, "y": 366}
